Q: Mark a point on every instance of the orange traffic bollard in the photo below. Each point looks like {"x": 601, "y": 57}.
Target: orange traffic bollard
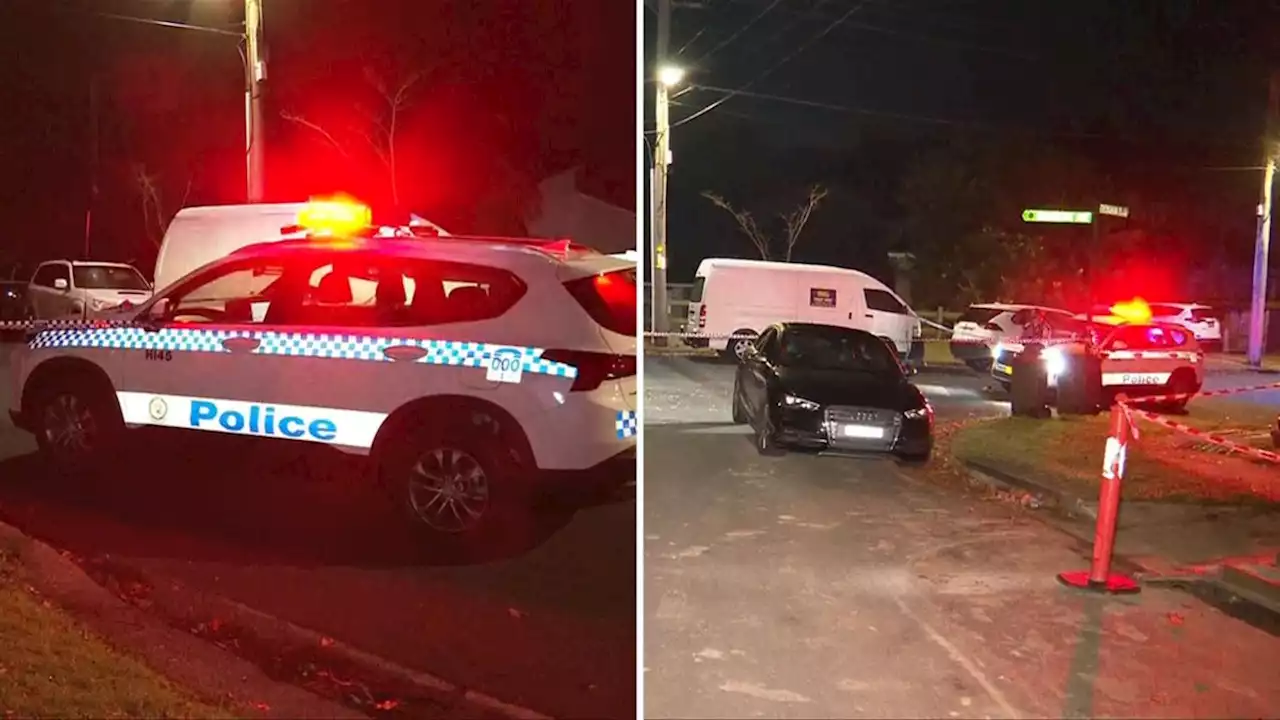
{"x": 1099, "y": 577}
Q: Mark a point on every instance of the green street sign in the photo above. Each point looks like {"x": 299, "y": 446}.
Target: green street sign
{"x": 1070, "y": 217}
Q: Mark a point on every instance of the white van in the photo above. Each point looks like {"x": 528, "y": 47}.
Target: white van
{"x": 198, "y": 235}
{"x": 741, "y": 297}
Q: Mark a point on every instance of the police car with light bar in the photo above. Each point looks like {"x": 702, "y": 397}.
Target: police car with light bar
{"x": 1138, "y": 358}
{"x": 471, "y": 369}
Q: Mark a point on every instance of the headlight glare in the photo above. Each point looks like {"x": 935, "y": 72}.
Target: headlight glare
{"x": 798, "y": 403}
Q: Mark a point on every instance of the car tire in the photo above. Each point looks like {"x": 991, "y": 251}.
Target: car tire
{"x": 77, "y": 424}
{"x": 739, "y": 416}
{"x": 734, "y": 348}
{"x": 1181, "y": 382}
{"x": 916, "y": 458}
{"x": 982, "y": 367}
{"x": 455, "y": 483}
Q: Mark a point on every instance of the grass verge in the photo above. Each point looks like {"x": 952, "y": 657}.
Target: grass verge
{"x": 53, "y": 667}
{"x": 1162, "y": 464}
{"x": 938, "y": 352}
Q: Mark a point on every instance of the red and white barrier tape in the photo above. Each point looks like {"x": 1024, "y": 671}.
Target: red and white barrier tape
{"x": 1207, "y": 436}
{"x": 700, "y": 336}
{"x": 38, "y": 325}
{"x": 1178, "y": 397}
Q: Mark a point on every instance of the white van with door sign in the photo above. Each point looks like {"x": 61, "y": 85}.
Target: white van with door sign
{"x": 742, "y": 297}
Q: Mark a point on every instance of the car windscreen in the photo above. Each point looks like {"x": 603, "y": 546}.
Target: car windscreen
{"x": 108, "y": 277}
{"x": 821, "y": 348}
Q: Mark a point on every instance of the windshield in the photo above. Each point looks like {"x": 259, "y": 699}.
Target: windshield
{"x": 108, "y": 277}
{"x": 833, "y": 348}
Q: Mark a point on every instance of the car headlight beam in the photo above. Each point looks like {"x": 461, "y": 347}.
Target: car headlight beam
{"x": 1055, "y": 361}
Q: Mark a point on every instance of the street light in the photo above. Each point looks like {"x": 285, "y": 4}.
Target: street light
{"x": 668, "y": 77}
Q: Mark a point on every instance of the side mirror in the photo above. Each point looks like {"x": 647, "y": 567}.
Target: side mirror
{"x": 750, "y": 354}
{"x": 61, "y": 284}
{"x": 159, "y": 310}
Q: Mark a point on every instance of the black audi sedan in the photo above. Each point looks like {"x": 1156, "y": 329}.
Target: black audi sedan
{"x": 830, "y": 389}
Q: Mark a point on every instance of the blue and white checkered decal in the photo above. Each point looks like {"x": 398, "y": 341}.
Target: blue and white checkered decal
{"x": 322, "y": 345}
{"x": 626, "y": 424}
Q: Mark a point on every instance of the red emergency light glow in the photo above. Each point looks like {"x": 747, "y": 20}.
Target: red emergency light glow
{"x": 1134, "y": 311}
{"x": 335, "y": 216}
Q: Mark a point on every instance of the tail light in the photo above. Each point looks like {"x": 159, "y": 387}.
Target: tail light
{"x": 593, "y": 368}
{"x": 702, "y": 316}
{"x": 609, "y": 298}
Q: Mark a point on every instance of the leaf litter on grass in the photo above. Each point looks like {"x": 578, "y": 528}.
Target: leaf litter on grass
{"x": 54, "y": 667}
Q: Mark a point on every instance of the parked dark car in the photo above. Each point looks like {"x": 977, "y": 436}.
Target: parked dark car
{"x": 831, "y": 389}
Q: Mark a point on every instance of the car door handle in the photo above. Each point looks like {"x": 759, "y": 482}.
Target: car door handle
{"x": 868, "y": 315}
{"x": 241, "y": 344}
{"x": 404, "y": 352}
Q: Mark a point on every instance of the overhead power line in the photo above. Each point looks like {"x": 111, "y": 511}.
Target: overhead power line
{"x": 834, "y": 24}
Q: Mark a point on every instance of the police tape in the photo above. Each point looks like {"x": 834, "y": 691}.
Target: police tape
{"x": 75, "y": 324}
{"x": 1209, "y": 437}
{"x": 1179, "y": 397}
{"x": 1011, "y": 343}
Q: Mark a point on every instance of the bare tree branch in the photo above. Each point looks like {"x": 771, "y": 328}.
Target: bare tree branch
{"x": 746, "y": 223}
{"x": 316, "y": 128}
{"x": 795, "y": 220}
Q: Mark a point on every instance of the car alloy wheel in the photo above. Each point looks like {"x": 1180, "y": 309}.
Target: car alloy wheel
{"x": 449, "y": 490}
{"x": 69, "y": 426}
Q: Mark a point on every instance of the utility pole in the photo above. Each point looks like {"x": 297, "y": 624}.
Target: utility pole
{"x": 93, "y": 164}
{"x": 256, "y": 73}
{"x": 1258, "y": 306}
{"x": 661, "y": 160}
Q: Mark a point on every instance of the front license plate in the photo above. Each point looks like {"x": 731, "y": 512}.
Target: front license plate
{"x": 1007, "y": 370}
{"x": 864, "y": 432}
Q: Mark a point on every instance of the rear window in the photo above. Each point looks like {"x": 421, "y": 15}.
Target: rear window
{"x": 695, "y": 293}
{"x": 609, "y": 298}
{"x": 979, "y": 315}
{"x": 108, "y": 277}
{"x": 1165, "y": 311}
{"x": 884, "y": 302}
{"x": 1202, "y": 314}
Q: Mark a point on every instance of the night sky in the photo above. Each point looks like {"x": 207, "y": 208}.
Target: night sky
{"x": 1160, "y": 87}
{"x": 511, "y": 92}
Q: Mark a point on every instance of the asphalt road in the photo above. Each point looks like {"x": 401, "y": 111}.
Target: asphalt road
{"x": 546, "y": 621}
{"x": 805, "y": 587}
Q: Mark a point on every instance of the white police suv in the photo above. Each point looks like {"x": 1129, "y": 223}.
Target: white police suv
{"x": 470, "y": 369}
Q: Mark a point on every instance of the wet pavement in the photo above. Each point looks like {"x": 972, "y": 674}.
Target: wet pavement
{"x": 803, "y": 586}
{"x": 544, "y": 619}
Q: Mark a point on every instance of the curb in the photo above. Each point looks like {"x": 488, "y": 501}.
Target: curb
{"x": 181, "y": 657}
{"x": 1246, "y": 586}
{"x": 1073, "y": 506}
{"x": 176, "y": 601}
